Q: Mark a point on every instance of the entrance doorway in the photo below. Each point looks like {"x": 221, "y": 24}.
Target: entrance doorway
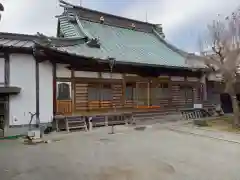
{"x": 142, "y": 95}
{"x": 187, "y": 95}
{"x": 226, "y": 103}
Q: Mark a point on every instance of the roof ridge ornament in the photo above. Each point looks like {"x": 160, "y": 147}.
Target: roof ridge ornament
{"x": 133, "y": 26}
{"x": 159, "y": 29}
{"x": 65, "y": 4}
{"x": 101, "y": 19}
{"x": 94, "y": 43}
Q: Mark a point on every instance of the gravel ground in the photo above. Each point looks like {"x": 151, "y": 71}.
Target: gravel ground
{"x": 153, "y": 154}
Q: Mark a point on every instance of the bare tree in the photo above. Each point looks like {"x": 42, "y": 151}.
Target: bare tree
{"x": 1, "y": 9}
{"x": 224, "y": 58}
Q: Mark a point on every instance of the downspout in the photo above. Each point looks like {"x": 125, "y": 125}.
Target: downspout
{"x": 37, "y": 88}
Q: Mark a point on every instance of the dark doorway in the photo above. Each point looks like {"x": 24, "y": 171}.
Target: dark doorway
{"x": 187, "y": 93}
{"x": 226, "y": 103}
{"x": 2, "y": 113}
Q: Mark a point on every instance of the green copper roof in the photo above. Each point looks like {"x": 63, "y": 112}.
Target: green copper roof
{"x": 125, "y": 45}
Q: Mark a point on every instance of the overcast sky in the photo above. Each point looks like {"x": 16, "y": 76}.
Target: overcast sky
{"x": 183, "y": 20}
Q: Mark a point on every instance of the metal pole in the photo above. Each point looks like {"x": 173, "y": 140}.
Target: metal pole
{"x": 111, "y": 64}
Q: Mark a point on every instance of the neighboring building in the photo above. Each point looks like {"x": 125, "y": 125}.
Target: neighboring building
{"x": 98, "y": 63}
{"x": 26, "y": 84}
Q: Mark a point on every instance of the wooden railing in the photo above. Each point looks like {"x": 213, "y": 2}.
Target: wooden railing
{"x": 64, "y": 107}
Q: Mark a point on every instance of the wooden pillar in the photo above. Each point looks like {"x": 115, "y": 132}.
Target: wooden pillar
{"x": 136, "y": 94}
{"x": 170, "y": 90}
{"x": 204, "y": 87}
{"x": 54, "y": 69}
{"x": 73, "y": 91}
{"x": 123, "y": 90}
{"x": 100, "y": 87}
{"x": 148, "y": 93}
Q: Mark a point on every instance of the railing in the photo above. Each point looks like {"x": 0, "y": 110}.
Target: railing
{"x": 194, "y": 113}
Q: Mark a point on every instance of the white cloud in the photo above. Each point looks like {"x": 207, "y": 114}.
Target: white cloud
{"x": 181, "y": 19}
{"x": 175, "y": 14}
{"x": 32, "y": 16}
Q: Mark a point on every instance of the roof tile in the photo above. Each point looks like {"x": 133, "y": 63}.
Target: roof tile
{"x": 123, "y": 44}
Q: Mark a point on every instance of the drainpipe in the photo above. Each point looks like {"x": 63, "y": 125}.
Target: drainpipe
{"x": 37, "y": 88}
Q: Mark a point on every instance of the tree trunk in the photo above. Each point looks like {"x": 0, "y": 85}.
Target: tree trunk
{"x": 235, "y": 106}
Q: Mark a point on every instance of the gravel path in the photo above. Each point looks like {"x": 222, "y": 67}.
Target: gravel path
{"x": 153, "y": 154}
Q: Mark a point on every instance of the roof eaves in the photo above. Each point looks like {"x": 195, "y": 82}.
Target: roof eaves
{"x": 169, "y": 45}
{"x": 104, "y": 60}
{"x": 16, "y": 36}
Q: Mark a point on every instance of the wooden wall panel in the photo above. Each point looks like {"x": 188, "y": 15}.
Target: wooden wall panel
{"x": 64, "y": 107}
{"x": 81, "y": 97}
{"x": 178, "y": 100}
{"x": 117, "y": 90}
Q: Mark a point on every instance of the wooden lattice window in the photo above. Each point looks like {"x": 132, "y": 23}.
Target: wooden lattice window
{"x": 129, "y": 95}
{"x": 187, "y": 92}
{"x": 160, "y": 91}
{"x": 106, "y": 92}
{"x": 93, "y": 92}
{"x": 63, "y": 90}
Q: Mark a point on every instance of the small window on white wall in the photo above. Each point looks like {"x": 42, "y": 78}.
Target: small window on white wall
{"x": 63, "y": 90}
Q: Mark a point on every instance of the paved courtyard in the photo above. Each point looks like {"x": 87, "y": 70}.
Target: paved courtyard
{"x": 153, "y": 154}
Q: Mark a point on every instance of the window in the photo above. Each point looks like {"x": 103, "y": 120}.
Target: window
{"x": 129, "y": 91}
{"x": 93, "y": 93}
{"x": 63, "y": 90}
{"x": 158, "y": 92}
{"x": 106, "y": 92}
{"x": 97, "y": 92}
{"x": 187, "y": 92}
{"x": 164, "y": 90}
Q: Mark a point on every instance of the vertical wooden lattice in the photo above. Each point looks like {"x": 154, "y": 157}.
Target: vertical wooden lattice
{"x": 81, "y": 94}
{"x": 117, "y": 95}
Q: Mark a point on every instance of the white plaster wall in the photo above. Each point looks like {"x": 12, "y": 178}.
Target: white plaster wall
{"x": 215, "y": 77}
{"x": 45, "y": 92}
{"x": 112, "y": 76}
{"x": 22, "y": 74}
{"x": 62, "y": 71}
{"x": 177, "y": 78}
{"x": 86, "y": 74}
{"x": 193, "y": 79}
{"x": 2, "y": 70}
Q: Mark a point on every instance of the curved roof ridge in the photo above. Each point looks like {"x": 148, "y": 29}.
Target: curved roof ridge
{"x": 70, "y": 5}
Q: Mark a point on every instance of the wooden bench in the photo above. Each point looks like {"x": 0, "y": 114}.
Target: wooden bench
{"x": 111, "y": 118}
{"x": 69, "y": 123}
{"x": 75, "y": 122}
